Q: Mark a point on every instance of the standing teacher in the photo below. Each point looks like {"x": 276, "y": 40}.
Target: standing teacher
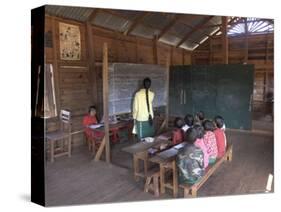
{"x": 143, "y": 111}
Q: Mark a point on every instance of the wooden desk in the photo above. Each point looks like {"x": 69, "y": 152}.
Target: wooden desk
{"x": 140, "y": 152}
{"x": 166, "y": 161}
{"x": 119, "y": 125}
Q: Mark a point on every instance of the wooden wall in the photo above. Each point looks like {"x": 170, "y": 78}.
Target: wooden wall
{"x": 78, "y": 84}
{"x": 254, "y": 49}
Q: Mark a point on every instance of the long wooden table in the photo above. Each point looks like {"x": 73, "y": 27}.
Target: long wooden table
{"x": 140, "y": 152}
{"x": 166, "y": 160}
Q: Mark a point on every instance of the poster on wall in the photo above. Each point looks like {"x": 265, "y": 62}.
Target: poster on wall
{"x": 70, "y": 42}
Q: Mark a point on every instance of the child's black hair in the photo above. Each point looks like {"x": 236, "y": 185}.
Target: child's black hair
{"x": 92, "y": 107}
{"x": 201, "y": 115}
{"x": 208, "y": 125}
{"x": 219, "y": 121}
{"x": 178, "y": 122}
{"x": 200, "y": 130}
{"x": 190, "y": 135}
{"x": 188, "y": 119}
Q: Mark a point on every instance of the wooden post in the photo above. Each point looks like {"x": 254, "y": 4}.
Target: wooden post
{"x": 56, "y": 67}
{"x": 246, "y": 42}
{"x": 266, "y": 69}
{"x": 211, "y": 50}
{"x": 92, "y": 70}
{"x": 167, "y": 90}
{"x": 224, "y": 40}
{"x": 155, "y": 51}
{"x": 105, "y": 101}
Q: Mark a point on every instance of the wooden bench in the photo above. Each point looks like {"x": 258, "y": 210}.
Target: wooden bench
{"x": 191, "y": 190}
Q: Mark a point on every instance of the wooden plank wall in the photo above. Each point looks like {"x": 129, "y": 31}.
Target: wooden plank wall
{"x": 260, "y": 53}
{"x": 73, "y": 79}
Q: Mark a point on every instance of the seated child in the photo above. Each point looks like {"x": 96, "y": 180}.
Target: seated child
{"x": 199, "y": 118}
{"x": 188, "y": 119}
{"x": 200, "y": 143}
{"x": 190, "y": 160}
{"x": 210, "y": 141}
{"x": 178, "y": 134}
{"x": 220, "y": 136}
{"x": 90, "y": 119}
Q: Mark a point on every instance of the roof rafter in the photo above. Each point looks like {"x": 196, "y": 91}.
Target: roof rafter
{"x": 136, "y": 22}
{"x": 204, "y": 22}
{"x": 169, "y": 26}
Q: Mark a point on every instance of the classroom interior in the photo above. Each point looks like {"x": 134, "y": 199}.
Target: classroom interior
{"x": 151, "y": 39}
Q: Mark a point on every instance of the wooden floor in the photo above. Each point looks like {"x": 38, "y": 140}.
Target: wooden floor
{"x": 78, "y": 180}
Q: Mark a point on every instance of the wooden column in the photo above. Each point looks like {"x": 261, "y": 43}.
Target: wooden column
{"x": 92, "y": 70}
{"x": 211, "y": 50}
{"x": 224, "y": 40}
{"x": 155, "y": 52}
{"x": 105, "y": 101}
{"x": 56, "y": 66}
{"x": 246, "y": 52}
{"x": 167, "y": 90}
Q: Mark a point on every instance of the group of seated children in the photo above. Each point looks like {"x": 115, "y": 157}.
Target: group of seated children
{"x": 206, "y": 142}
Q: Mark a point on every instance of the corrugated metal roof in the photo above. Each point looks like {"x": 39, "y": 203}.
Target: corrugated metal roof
{"x": 75, "y": 13}
{"x": 156, "y": 20}
{"x": 170, "y": 39}
{"x": 180, "y": 29}
{"x": 128, "y": 14}
{"x": 144, "y": 31}
{"x": 152, "y": 24}
{"x": 110, "y": 21}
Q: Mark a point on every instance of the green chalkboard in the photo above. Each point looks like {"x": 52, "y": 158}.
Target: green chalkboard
{"x": 224, "y": 90}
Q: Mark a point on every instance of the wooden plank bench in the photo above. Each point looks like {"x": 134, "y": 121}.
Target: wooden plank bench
{"x": 191, "y": 190}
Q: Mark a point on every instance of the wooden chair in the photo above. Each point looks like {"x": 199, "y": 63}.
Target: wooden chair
{"x": 63, "y": 135}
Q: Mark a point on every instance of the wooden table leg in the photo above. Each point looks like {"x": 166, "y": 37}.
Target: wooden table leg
{"x": 162, "y": 179}
{"x": 136, "y": 167}
{"x": 52, "y": 150}
{"x": 175, "y": 179}
{"x": 145, "y": 163}
{"x": 69, "y": 146}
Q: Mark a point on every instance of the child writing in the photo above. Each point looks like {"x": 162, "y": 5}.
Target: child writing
{"x": 178, "y": 134}
{"x": 90, "y": 119}
{"x": 210, "y": 141}
{"x": 190, "y": 160}
{"x": 188, "y": 119}
{"x": 220, "y": 135}
{"x": 200, "y": 143}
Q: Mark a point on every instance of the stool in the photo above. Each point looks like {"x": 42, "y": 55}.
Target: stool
{"x": 152, "y": 182}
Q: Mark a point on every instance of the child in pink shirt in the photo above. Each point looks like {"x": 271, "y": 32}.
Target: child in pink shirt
{"x": 200, "y": 143}
{"x": 220, "y": 135}
{"x": 210, "y": 141}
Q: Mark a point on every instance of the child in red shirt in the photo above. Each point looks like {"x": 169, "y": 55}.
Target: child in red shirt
{"x": 90, "y": 119}
{"x": 220, "y": 136}
{"x": 178, "y": 133}
{"x": 210, "y": 141}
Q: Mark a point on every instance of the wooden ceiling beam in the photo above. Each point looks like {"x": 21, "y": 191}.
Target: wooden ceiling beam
{"x": 136, "y": 22}
{"x": 204, "y": 22}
